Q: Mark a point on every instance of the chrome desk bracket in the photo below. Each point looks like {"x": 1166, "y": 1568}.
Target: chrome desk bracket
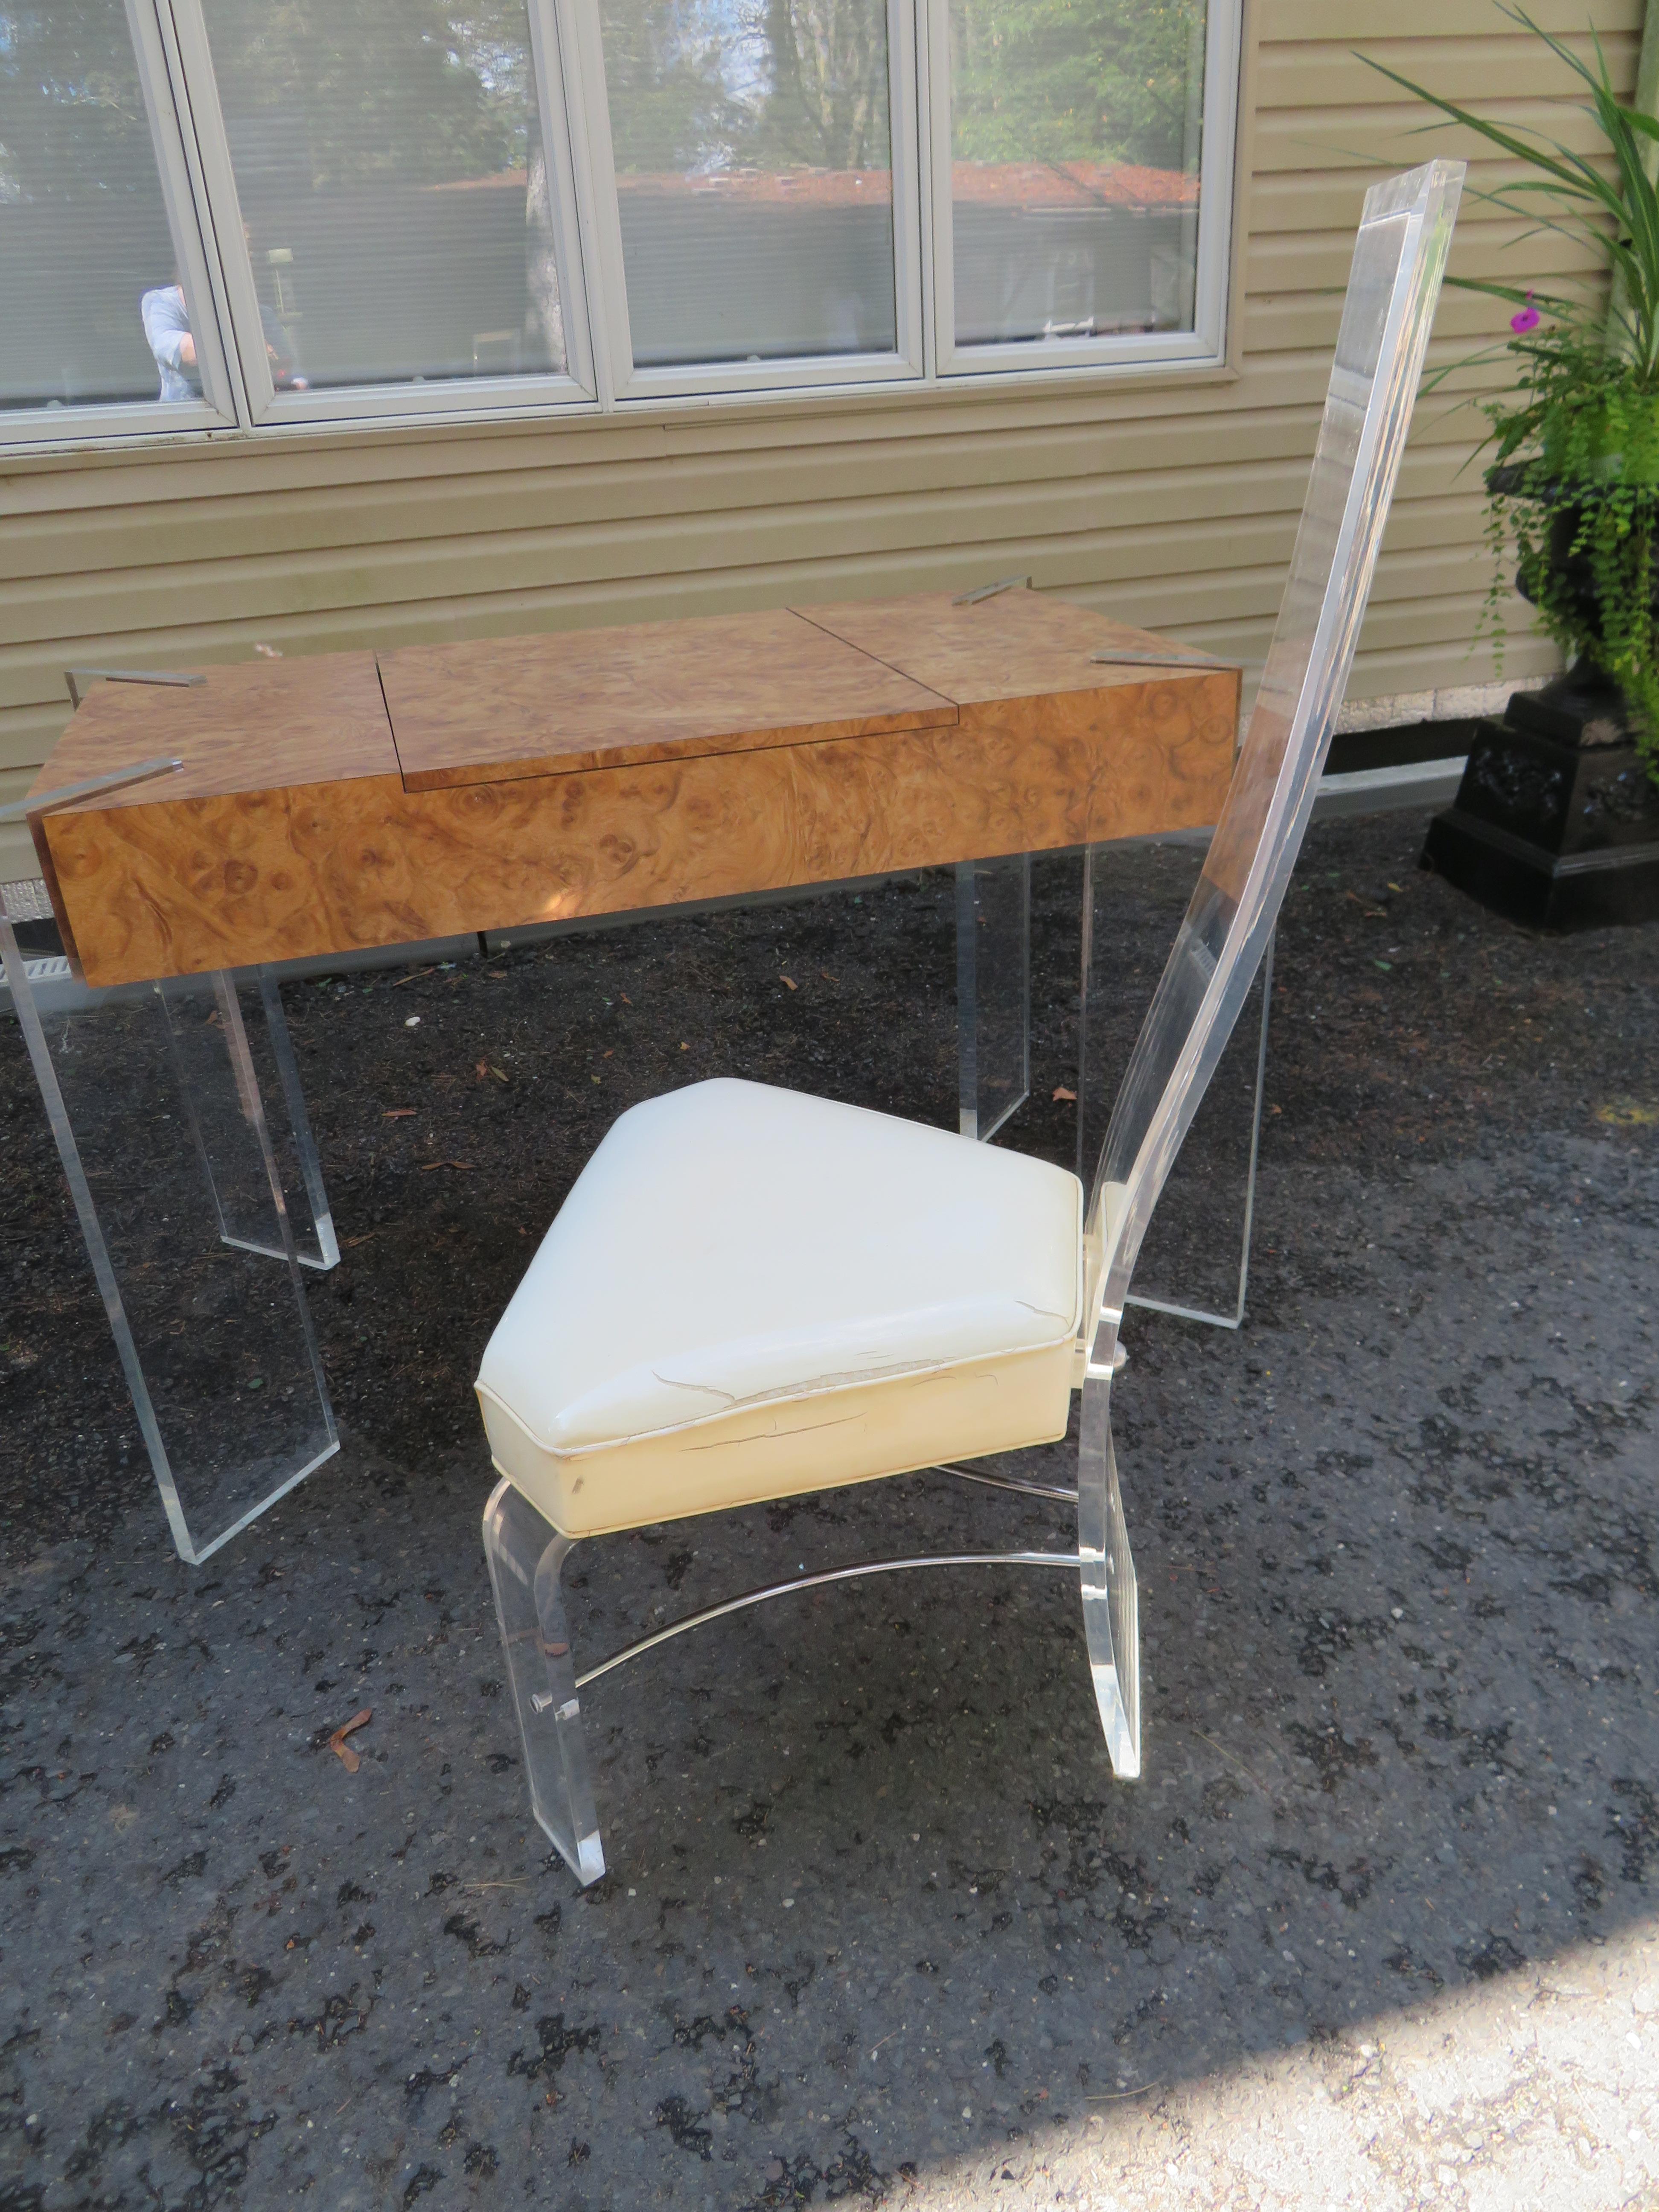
{"x": 990, "y": 591}
{"x": 81, "y": 680}
{"x": 1109, "y": 655}
{"x": 68, "y": 794}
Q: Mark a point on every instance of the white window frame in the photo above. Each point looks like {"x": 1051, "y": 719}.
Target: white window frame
{"x": 1202, "y": 347}
{"x": 173, "y": 60}
{"x": 625, "y": 384}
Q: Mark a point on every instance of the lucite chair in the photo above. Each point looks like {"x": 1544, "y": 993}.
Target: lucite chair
{"x": 750, "y": 1293}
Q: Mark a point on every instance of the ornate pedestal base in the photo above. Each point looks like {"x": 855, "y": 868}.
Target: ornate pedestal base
{"x": 1556, "y": 823}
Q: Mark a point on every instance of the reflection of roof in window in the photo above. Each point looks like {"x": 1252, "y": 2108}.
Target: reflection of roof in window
{"x": 1032, "y": 185}
{"x": 1072, "y": 184}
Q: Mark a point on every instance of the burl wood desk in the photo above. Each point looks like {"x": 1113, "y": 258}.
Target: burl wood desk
{"x": 355, "y": 800}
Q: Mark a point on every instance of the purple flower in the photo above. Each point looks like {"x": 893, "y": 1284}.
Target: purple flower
{"x": 1528, "y": 319}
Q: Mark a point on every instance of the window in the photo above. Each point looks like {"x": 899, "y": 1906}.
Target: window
{"x": 236, "y": 212}
{"x": 1070, "y": 179}
{"x": 752, "y": 208}
{"x": 385, "y": 166}
{"x": 96, "y": 270}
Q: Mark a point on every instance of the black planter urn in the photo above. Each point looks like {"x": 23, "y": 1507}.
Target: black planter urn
{"x": 1556, "y": 822}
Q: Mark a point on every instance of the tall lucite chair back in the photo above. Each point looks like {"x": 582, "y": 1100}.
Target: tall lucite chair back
{"x": 1399, "y": 258}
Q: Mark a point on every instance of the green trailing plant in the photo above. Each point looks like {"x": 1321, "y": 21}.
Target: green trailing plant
{"x": 1574, "y": 483}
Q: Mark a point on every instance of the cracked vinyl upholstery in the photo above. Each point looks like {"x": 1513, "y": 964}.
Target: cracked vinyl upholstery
{"x": 749, "y": 1292}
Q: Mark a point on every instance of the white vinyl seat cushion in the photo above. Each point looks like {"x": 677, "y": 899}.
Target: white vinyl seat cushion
{"x": 750, "y": 1292}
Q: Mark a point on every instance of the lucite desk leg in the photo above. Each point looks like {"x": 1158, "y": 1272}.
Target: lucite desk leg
{"x": 1208, "y": 1205}
{"x": 216, "y": 1344}
{"x": 994, "y": 991}
{"x": 298, "y": 1161}
{"x": 263, "y": 1044}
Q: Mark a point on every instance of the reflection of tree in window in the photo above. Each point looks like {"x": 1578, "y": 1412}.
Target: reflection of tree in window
{"x": 1074, "y": 80}
{"x": 666, "y": 69}
{"x": 771, "y": 85}
{"x": 828, "y": 103}
{"x": 71, "y": 114}
{"x": 401, "y": 90}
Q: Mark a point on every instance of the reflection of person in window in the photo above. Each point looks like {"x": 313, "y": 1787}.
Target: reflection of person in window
{"x": 166, "y": 326}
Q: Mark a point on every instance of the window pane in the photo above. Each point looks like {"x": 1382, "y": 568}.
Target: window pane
{"x": 754, "y": 174}
{"x": 83, "y": 229}
{"x": 394, "y": 187}
{"x": 1074, "y": 145}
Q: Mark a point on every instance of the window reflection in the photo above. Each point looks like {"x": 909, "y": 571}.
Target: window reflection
{"x": 390, "y": 166}
{"x": 83, "y": 228}
{"x": 1075, "y": 141}
{"x": 166, "y": 316}
{"x": 166, "y": 326}
{"x": 754, "y": 177}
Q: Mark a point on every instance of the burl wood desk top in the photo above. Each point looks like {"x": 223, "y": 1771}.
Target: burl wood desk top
{"x": 345, "y": 800}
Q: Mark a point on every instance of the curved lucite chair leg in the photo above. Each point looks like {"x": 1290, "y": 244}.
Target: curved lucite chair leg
{"x": 1111, "y": 1616}
{"x": 525, "y": 1556}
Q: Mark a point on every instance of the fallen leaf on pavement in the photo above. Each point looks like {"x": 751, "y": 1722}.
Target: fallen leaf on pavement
{"x": 337, "y": 1743}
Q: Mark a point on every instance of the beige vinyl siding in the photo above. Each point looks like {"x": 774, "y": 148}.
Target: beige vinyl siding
{"x": 1171, "y": 502}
